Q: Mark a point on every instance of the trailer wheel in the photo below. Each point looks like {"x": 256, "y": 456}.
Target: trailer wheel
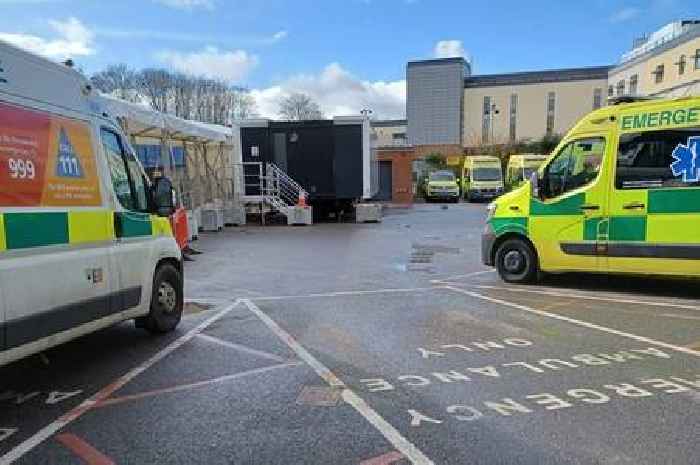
{"x": 166, "y": 301}
{"x": 516, "y": 262}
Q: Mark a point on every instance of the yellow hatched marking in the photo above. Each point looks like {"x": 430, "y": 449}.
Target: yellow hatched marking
{"x": 3, "y": 243}
{"x": 90, "y": 226}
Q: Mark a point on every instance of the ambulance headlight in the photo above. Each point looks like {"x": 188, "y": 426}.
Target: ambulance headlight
{"x": 491, "y": 209}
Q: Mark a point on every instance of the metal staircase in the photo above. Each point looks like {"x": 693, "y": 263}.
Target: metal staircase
{"x": 267, "y": 188}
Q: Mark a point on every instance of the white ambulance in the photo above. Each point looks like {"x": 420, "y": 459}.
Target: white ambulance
{"x": 85, "y": 240}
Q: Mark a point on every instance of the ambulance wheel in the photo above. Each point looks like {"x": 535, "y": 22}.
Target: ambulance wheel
{"x": 166, "y": 301}
{"x": 516, "y": 262}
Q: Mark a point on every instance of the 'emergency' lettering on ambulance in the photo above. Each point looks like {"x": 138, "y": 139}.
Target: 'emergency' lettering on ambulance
{"x": 660, "y": 119}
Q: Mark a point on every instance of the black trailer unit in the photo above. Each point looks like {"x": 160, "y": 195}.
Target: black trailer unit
{"x": 329, "y": 158}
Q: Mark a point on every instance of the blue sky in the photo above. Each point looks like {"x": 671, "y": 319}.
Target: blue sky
{"x": 338, "y": 50}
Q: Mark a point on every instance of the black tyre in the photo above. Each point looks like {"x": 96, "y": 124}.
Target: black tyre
{"x": 166, "y": 301}
{"x": 516, "y": 262}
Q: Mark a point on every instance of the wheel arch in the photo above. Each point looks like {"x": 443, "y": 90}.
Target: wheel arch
{"x": 513, "y": 235}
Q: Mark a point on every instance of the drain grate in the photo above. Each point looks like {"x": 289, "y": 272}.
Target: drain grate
{"x": 319, "y": 396}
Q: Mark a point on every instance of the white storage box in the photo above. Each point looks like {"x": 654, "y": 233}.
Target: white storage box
{"x": 299, "y": 215}
{"x": 219, "y": 218}
{"x": 234, "y": 216}
{"x": 191, "y": 226}
{"x": 368, "y": 213}
{"x": 210, "y": 220}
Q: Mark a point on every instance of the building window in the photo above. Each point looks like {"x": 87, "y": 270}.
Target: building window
{"x": 611, "y": 91}
{"x": 551, "y": 105}
{"x": 513, "y": 116}
{"x": 633, "y": 84}
{"x": 697, "y": 59}
{"x": 597, "y": 98}
{"x": 486, "y": 124}
{"x": 681, "y": 65}
{"x": 621, "y": 87}
{"x": 658, "y": 74}
{"x": 398, "y": 138}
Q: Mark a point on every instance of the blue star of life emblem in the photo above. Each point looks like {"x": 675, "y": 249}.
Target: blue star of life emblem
{"x": 687, "y": 160}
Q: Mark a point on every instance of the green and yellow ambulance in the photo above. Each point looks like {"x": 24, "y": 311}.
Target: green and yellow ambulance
{"x": 85, "y": 240}
{"x": 620, "y": 194}
{"x": 520, "y": 168}
{"x": 482, "y": 177}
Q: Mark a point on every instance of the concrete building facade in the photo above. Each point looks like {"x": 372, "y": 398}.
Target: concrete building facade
{"x": 506, "y": 108}
{"x": 434, "y": 90}
{"x": 664, "y": 64}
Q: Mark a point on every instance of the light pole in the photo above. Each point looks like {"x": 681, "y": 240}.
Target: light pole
{"x": 493, "y": 111}
{"x": 366, "y": 112}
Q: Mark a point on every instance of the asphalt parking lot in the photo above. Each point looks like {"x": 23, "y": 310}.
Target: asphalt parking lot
{"x": 373, "y": 344}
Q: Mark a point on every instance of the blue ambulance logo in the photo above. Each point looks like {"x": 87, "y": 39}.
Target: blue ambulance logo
{"x": 687, "y": 161}
{"x": 67, "y": 161}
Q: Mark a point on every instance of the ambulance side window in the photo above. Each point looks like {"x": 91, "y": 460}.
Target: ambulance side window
{"x": 645, "y": 160}
{"x": 576, "y": 165}
{"x": 126, "y": 177}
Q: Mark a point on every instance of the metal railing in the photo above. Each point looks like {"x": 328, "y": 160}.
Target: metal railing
{"x": 267, "y": 184}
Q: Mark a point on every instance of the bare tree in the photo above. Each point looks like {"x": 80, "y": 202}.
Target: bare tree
{"x": 299, "y": 107}
{"x": 157, "y": 86}
{"x": 118, "y": 80}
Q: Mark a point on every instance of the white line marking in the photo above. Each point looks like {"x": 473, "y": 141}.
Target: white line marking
{"x": 342, "y": 293}
{"x": 241, "y": 348}
{"x": 461, "y": 276}
{"x": 681, "y": 317}
{"x": 49, "y": 430}
{"x": 590, "y": 297}
{"x": 410, "y": 451}
{"x": 585, "y": 324}
{"x": 184, "y": 387}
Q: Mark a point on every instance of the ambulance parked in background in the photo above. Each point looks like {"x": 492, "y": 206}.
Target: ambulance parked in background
{"x": 85, "y": 240}
{"x": 520, "y": 168}
{"x": 620, "y": 194}
{"x": 482, "y": 178}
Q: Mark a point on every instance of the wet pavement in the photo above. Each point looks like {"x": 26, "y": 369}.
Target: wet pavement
{"x": 373, "y": 344}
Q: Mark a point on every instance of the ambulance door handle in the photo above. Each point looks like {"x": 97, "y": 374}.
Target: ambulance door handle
{"x": 587, "y": 207}
{"x": 633, "y": 206}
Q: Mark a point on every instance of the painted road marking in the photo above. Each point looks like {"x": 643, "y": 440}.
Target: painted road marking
{"x": 461, "y": 276}
{"x": 184, "y": 387}
{"x": 585, "y": 324}
{"x": 410, "y": 451}
{"x": 82, "y": 449}
{"x": 241, "y": 348}
{"x": 7, "y": 432}
{"x": 344, "y": 293}
{"x": 384, "y": 459}
{"x": 590, "y": 297}
{"x": 49, "y": 430}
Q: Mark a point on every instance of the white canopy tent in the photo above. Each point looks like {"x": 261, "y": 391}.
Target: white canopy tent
{"x": 208, "y": 149}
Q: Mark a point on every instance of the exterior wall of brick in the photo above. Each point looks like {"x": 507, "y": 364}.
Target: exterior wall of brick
{"x": 401, "y": 172}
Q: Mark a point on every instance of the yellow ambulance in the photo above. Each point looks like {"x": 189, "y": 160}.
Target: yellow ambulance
{"x": 620, "y": 194}
{"x": 85, "y": 240}
{"x": 520, "y": 168}
{"x": 482, "y": 177}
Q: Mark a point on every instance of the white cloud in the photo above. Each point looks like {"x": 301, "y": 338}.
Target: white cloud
{"x": 231, "y": 66}
{"x": 337, "y": 92}
{"x": 624, "y": 14}
{"x": 187, "y": 4}
{"x": 449, "y": 49}
{"x": 74, "y": 39}
{"x": 279, "y": 35}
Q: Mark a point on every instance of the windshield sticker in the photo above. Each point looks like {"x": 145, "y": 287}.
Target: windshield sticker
{"x": 687, "y": 163}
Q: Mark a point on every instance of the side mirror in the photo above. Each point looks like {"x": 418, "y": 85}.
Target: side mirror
{"x": 535, "y": 185}
{"x": 164, "y": 201}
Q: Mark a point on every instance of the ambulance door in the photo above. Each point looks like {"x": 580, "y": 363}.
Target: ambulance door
{"x": 132, "y": 254}
{"x": 655, "y": 204}
{"x": 567, "y": 221}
